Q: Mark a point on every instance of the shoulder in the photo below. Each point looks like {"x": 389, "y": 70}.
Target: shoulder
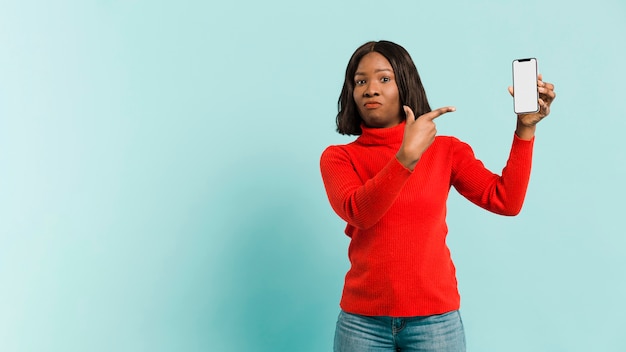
{"x": 449, "y": 142}
{"x": 336, "y": 153}
{"x": 452, "y": 146}
{"x": 338, "y": 149}
{"x": 334, "y": 150}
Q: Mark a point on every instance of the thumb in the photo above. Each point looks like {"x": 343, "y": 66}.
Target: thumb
{"x": 511, "y": 90}
{"x": 410, "y": 116}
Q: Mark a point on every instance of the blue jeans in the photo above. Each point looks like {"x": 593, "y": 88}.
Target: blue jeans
{"x": 436, "y": 333}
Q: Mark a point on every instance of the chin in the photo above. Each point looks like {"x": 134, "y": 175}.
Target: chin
{"x": 380, "y": 122}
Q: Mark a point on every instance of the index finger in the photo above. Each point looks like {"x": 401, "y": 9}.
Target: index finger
{"x": 542, "y": 83}
{"x": 438, "y": 112}
{"x": 548, "y": 85}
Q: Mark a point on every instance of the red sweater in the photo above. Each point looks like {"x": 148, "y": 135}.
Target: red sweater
{"x": 400, "y": 263}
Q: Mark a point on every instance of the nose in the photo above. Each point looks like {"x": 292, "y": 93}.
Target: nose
{"x": 371, "y": 89}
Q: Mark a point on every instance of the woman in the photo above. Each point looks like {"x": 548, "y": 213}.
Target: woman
{"x": 391, "y": 185}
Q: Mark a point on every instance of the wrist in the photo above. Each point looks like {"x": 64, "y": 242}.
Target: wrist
{"x": 524, "y": 131}
{"x": 407, "y": 162}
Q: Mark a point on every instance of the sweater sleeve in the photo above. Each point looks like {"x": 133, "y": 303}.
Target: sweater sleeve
{"x": 503, "y": 194}
{"x": 360, "y": 203}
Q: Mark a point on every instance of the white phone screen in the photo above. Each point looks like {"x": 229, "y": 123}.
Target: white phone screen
{"x": 525, "y": 94}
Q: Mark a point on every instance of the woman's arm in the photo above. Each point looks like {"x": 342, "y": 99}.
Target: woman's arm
{"x": 503, "y": 194}
{"x": 361, "y": 204}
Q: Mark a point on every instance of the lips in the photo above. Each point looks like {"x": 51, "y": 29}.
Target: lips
{"x": 372, "y": 105}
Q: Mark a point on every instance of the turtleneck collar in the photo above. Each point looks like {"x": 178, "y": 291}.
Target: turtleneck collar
{"x": 382, "y": 136}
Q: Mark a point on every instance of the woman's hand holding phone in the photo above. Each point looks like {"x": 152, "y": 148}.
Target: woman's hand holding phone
{"x": 526, "y": 122}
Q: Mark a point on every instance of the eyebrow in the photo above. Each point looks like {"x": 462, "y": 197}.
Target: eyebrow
{"x": 376, "y": 71}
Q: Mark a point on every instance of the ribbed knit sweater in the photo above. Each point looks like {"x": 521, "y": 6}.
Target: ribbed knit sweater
{"x": 396, "y": 218}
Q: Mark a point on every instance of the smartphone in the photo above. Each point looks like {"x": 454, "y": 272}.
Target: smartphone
{"x": 525, "y": 94}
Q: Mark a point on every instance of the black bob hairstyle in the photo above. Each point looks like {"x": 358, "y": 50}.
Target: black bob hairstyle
{"x": 410, "y": 88}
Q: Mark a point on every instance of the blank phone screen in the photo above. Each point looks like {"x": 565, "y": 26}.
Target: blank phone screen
{"x": 525, "y": 93}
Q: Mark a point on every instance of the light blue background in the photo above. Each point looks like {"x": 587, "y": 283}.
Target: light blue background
{"x": 160, "y": 188}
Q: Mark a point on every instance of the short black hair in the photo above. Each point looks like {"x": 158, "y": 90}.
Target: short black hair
{"x": 410, "y": 86}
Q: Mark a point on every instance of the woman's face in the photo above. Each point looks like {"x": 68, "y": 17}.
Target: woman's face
{"x": 376, "y": 92}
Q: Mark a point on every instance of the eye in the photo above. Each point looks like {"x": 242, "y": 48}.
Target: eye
{"x": 359, "y": 82}
{"x": 385, "y": 79}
